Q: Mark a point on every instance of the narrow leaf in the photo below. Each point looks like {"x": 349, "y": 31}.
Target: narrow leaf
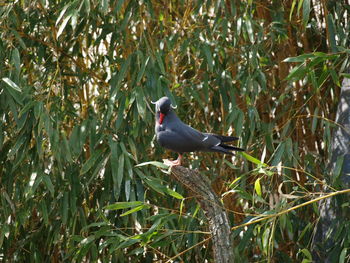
{"x": 306, "y": 11}
{"x": 119, "y": 77}
{"x": 122, "y": 205}
{"x": 120, "y": 170}
{"x": 11, "y": 84}
{"x": 332, "y": 33}
{"x": 257, "y": 187}
{"x": 63, "y": 25}
{"x": 174, "y": 194}
{"x": 90, "y": 162}
{"x": 314, "y": 121}
{"x": 253, "y": 159}
{"x": 142, "y": 69}
{"x": 209, "y": 57}
{"x": 154, "y": 163}
{"x": 48, "y": 183}
{"x": 138, "y": 208}
{"x": 343, "y": 255}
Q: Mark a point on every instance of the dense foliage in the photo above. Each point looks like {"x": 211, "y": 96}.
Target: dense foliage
{"x": 76, "y": 82}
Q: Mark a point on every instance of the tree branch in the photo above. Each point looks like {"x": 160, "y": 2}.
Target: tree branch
{"x": 215, "y": 213}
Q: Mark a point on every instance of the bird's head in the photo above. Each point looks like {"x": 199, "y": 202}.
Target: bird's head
{"x": 163, "y": 107}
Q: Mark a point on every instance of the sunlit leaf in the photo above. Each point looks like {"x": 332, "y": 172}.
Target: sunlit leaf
{"x": 135, "y": 209}
{"x": 122, "y": 205}
{"x": 257, "y": 186}
{"x": 154, "y": 163}
{"x": 253, "y": 159}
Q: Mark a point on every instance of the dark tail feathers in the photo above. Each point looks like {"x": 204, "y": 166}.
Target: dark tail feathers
{"x": 231, "y": 148}
{"x": 223, "y": 138}
{"x": 226, "y": 149}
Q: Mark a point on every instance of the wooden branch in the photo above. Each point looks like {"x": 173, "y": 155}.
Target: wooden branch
{"x": 210, "y": 203}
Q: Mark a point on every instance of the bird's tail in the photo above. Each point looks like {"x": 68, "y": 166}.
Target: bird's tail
{"x": 226, "y": 148}
{"x": 231, "y": 148}
{"x": 223, "y": 138}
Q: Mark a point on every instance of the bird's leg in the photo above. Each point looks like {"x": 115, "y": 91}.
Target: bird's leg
{"x": 173, "y": 163}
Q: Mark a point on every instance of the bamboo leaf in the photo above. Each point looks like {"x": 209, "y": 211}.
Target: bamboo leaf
{"x": 154, "y": 163}
{"x": 90, "y": 162}
{"x": 119, "y": 77}
{"x": 314, "y": 121}
{"x": 253, "y": 159}
{"x": 63, "y": 25}
{"x": 123, "y": 205}
{"x": 343, "y": 255}
{"x": 120, "y": 175}
{"x": 135, "y": 209}
{"x": 14, "y": 90}
{"x": 332, "y": 33}
{"x": 48, "y": 183}
{"x": 208, "y": 56}
{"x": 257, "y": 186}
{"x": 174, "y": 194}
{"x": 306, "y": 12}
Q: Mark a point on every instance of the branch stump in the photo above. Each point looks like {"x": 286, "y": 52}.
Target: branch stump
{"x": 213, "y": 209}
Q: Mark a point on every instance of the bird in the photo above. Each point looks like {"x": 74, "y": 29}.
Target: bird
{"x": 173, "y": 134}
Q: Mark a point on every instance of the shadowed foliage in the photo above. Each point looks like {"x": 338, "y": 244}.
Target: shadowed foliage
{"x": 76, "y": 82}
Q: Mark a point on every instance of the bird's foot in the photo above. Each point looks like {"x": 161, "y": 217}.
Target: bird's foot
{"x": 172, "y": 163}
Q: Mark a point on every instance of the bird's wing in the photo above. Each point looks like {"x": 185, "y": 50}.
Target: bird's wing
{"x": 199, "y": 140}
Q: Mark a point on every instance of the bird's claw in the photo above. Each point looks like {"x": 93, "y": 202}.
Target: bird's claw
{"x": 172, "y": 163}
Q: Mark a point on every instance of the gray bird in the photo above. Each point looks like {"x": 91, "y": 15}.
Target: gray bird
{"x": 177, "y": 136}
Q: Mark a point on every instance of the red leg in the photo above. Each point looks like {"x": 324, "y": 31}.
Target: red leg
{"x": 173, "y": 163}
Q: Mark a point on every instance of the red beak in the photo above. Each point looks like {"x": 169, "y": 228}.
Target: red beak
{"x": 161, "y": 117}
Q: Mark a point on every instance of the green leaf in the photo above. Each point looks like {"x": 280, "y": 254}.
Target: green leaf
{"x": 248, "y": 24}
{"x": 299, "y": 59}
{"x": 135, "y": 209}
{"x": 120, "y": 115}
{"x": 332, "y": 33}
{"x": 156, "y": 186}
{"x": 65, "y": 208}
{"x": 343, "y": 255}
{"x": 174, "y": 194}
{"x": 307, "y": 254}
{"x": 122, "y": 205}
{"x": 291, "y": 10}
{"x": 314, "y": 121}
{"x": 297, "y": 73}
{"x": 119, "y": 77}
{"x": 140, "y": 102}
{"x": 91, "y": 161}
{"x": 120, "y": 175}
{"x": 154, "y": 163}
{"x": 48, "y": 183}
{"x": 257, "y": 186}
{"x": 142, "y": 69}
{"x": 14, "y": 90}
{"x": 253, "y": 159}
{"x": 335, "y": 77}
{"x": 19, "y": 39}
{"x": 278, "y": 154}
{"x": 160, "y": 63}
{"x": 19, "y": 142}
{"x": 345, "y": 75}
{"x": 17, "y": 62}
{"x": 44, "y": 212}
{"x": 63, "y": 25}
{"x": 208, "y": 56}
{"x": 306, "y": 12}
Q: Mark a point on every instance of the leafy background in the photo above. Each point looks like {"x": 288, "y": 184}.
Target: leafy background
{"x": 77, "y": 79}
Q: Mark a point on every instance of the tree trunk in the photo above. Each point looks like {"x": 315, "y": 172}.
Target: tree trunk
{"x": 210, "y": 203}
{"x": 325, "y": 246}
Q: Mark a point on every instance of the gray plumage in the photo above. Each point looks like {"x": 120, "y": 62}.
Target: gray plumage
{"x": 179, "y": 137}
